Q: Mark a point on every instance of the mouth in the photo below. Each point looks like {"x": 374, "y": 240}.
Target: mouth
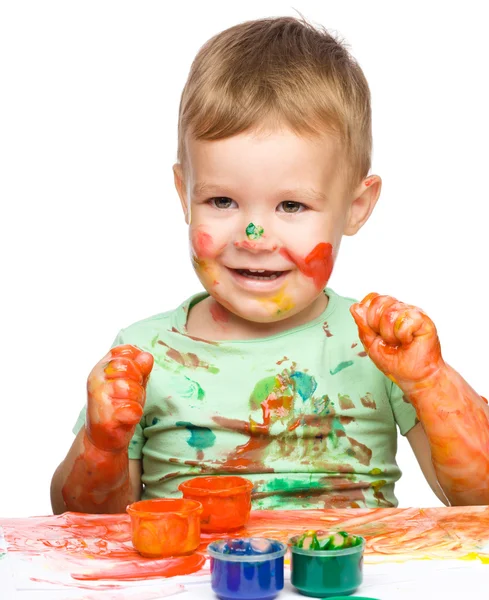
{"x": 260, "y": 274}
{"x": 259, "y": 281}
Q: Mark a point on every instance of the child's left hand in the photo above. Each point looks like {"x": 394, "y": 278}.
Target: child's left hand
{"x": 400, "y": 339}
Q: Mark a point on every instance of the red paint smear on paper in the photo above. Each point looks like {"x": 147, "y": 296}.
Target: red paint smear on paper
{"x": 74, "y": 539}
{"x": 318, "y": 264}
{"x": 145, "y": 568}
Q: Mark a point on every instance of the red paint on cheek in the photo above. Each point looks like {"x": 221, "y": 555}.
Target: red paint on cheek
{"x": 318, "y": 264}
{"x": 203, "y": 244}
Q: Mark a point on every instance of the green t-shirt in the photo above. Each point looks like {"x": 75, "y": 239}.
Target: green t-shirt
{"x": 304, "y": 414}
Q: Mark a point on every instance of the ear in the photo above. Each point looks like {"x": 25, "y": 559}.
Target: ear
{"x": 182, "y": 190}
{"x": 364, "y": 200}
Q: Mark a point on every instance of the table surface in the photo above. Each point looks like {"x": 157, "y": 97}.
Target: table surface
{"x": 440, "y": 553}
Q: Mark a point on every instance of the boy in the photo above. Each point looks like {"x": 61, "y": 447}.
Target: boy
{"x": 264, "y": 374}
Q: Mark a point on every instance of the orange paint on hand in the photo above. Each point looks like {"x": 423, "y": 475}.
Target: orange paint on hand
{"x": 403, "y": 343}
{"x": 99, "y": 478}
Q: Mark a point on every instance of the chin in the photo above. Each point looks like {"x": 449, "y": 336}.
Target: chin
{"x": 261, "y": 315}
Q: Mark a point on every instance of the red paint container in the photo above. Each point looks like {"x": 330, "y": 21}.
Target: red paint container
{"x": 226, "y": 501}
{"x": 165, "y": 527}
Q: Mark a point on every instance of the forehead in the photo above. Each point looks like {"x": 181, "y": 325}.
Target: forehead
{"x": 267, "y": 158}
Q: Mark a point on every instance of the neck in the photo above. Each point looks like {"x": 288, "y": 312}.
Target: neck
{"x": 211, "y": 321}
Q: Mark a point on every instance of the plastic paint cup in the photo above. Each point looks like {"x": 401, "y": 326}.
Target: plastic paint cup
{"x": 247, "y": 568}
{"x": 165, "y": 527}
{"x": 327, "y": 573}
{"x": 226, "y": 501}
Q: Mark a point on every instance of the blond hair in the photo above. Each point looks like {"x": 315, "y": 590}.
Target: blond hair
{"x": 278, "y": 71}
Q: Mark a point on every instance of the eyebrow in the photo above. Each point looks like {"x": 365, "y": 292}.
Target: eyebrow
{"x": 312, "y": 195}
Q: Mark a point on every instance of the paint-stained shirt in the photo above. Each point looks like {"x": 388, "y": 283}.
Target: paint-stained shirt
{"x": 304, "y": 414}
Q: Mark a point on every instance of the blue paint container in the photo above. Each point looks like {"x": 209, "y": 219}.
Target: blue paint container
{"x": 247, "y": 568}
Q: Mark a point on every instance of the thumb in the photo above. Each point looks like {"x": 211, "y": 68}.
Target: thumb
{"x": 145, "y": 362}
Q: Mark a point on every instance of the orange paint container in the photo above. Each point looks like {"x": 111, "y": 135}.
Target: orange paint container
{"x": 226, "y": 501}
{"x": 165, "y": 527}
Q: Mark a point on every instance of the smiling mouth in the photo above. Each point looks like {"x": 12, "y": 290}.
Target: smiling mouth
{"x": 260, "y": 274}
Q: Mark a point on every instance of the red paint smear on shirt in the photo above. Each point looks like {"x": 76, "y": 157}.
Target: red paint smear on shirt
{"x": 318, "y": 264}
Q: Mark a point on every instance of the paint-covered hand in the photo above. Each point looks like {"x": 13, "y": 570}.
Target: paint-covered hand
{"x": 400, "y": 339}
{"x": 116, "y": 395}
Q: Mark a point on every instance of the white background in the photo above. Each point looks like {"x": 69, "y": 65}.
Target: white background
{"x": 92, "y": 237}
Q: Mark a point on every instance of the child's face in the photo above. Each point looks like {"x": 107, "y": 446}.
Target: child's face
{"x": 266, "y": 214}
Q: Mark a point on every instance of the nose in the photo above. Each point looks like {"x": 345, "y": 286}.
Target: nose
{"x": 255, "y": 239}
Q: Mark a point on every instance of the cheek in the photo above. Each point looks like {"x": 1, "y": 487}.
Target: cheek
{"x": 203, "y": 246}
{"x": 317, "y": 265}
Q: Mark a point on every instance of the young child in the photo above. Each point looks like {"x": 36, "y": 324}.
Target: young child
{"x": 264, "y": 375}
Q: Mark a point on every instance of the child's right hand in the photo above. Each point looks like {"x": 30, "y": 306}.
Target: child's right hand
{"x": 116, "y": 395}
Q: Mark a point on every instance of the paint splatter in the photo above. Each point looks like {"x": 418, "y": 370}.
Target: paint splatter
{"x": 191, "y": 390}
{"x": 318, "y": 264}
{"x": 190, "y": 337}
{"x": 305, "y": 384}
{"x": 188, "y": 359}
{"x": 219, "y": 314}
{"x": 368, "y": 401}
{"x": 326, "y": 329}
{"x": 254, "y": 232}
{"x": 200, "y": 437}
{"x": 202, "y": 244}
{"x": 346, "y": 403}
{"x": 280, "y": 303}
{"x": 362, "y": 354}
{"x": 343, "y": 365}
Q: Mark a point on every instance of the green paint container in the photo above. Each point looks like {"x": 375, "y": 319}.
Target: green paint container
{"x": 326, "y": 573}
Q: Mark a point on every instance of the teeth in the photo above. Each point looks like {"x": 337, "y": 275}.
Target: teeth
{"x": 256, "y": 270}
{"x": 274, "y": 276}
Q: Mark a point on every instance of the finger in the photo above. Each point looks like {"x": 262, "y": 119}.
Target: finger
{"x": 388, "y": 319}
{"x": 368, "y": 299}
{"x": 145, "y": 362}
{"x": 365, "y": 333}
{"x": 124, "y": 389}
{"x": 128, "y": 413}
{"x": 123, "y": 368}
{"x": 127, "y": 350}
{"x": 412, "y": 323}
{"x": 376, "y": 308}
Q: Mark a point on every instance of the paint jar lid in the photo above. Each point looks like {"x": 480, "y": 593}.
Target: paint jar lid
{"x": 246, "y": 549}
{"x": 351, "y": 598}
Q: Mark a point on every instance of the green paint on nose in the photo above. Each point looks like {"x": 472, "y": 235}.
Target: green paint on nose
{"x": 254, "y": 232}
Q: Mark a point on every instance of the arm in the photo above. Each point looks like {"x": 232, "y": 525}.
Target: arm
{"x": 420, "y": 445}
{"x": 403, "y": 343}
{"x": 112, "y": 494}
{"x": 96, "y": 476}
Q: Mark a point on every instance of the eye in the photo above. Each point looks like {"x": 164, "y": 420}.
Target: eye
{"x": 289, "y": 206}
{"x": 222, "y": 203}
